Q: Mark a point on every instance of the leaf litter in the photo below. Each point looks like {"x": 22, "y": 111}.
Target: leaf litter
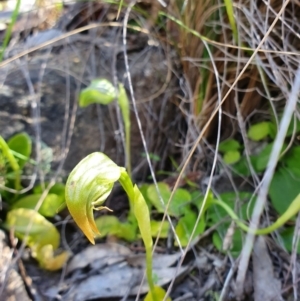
{"x": 113, "y": 271}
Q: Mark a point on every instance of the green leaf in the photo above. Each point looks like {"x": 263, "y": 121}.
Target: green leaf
{"x": 58, "y": 188}
{"x": 110, "y": 225}
{"x": 292, "y": 128}
{"x": 292, "y": 159}
{"x": 241, "y": 168}
{"x": 259, "y": 131}
{"x": 261, "y": 160}
{"x": 107, "y": 225}
{"x": 153, "y": 157}
{"x": 143, "y": 189}
{"x": 154, "y": 198}
{"x": 42, "y": 237}
{"x": 186, "y": 225}
{"x": 41, "y": 233}
{"x": 51, "y": 205}
{"x": 229, "y": 145}
{"x": 284, "y": 188}
{"x": 217, "y": 241}
{"x": 273, "y": 131}
{"x": 178, "y": 203}
{"x": 21, "y": 143}
{"x": 231, "y": 157}
{"x": 99, "y": 91}
{"x": 237, "y": 240}
{"x": 216, "y": 213}
{"x": 128, "y": 231}
{"x": 287, "y": 237}
{"x": 197, "y": 198}
{"x": 159, "y": 294}
{"x": 156, "y": 225}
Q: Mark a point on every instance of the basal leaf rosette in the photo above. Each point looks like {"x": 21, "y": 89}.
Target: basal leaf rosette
{"x": 87, "y": 188}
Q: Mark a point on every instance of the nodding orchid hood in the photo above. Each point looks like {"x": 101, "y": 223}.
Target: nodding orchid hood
{"x": 87, "y": 188}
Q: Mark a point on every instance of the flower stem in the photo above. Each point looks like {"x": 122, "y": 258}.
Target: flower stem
{"x": 141, "y": 212}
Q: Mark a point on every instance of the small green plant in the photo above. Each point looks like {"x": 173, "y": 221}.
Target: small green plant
{"x": 230, "y": 149}
{"x": 182, "y": 210}
{"x": 28, "y": 224}
{"x": 284, "y": 188}
{"x": 103, "y": 92}
{"x": 88, "y": 186}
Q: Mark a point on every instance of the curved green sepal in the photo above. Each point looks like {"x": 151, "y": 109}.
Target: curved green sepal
{"x": 22, "y": 144}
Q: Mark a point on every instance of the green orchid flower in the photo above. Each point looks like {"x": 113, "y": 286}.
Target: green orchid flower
{"x": 87, "y": 188}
